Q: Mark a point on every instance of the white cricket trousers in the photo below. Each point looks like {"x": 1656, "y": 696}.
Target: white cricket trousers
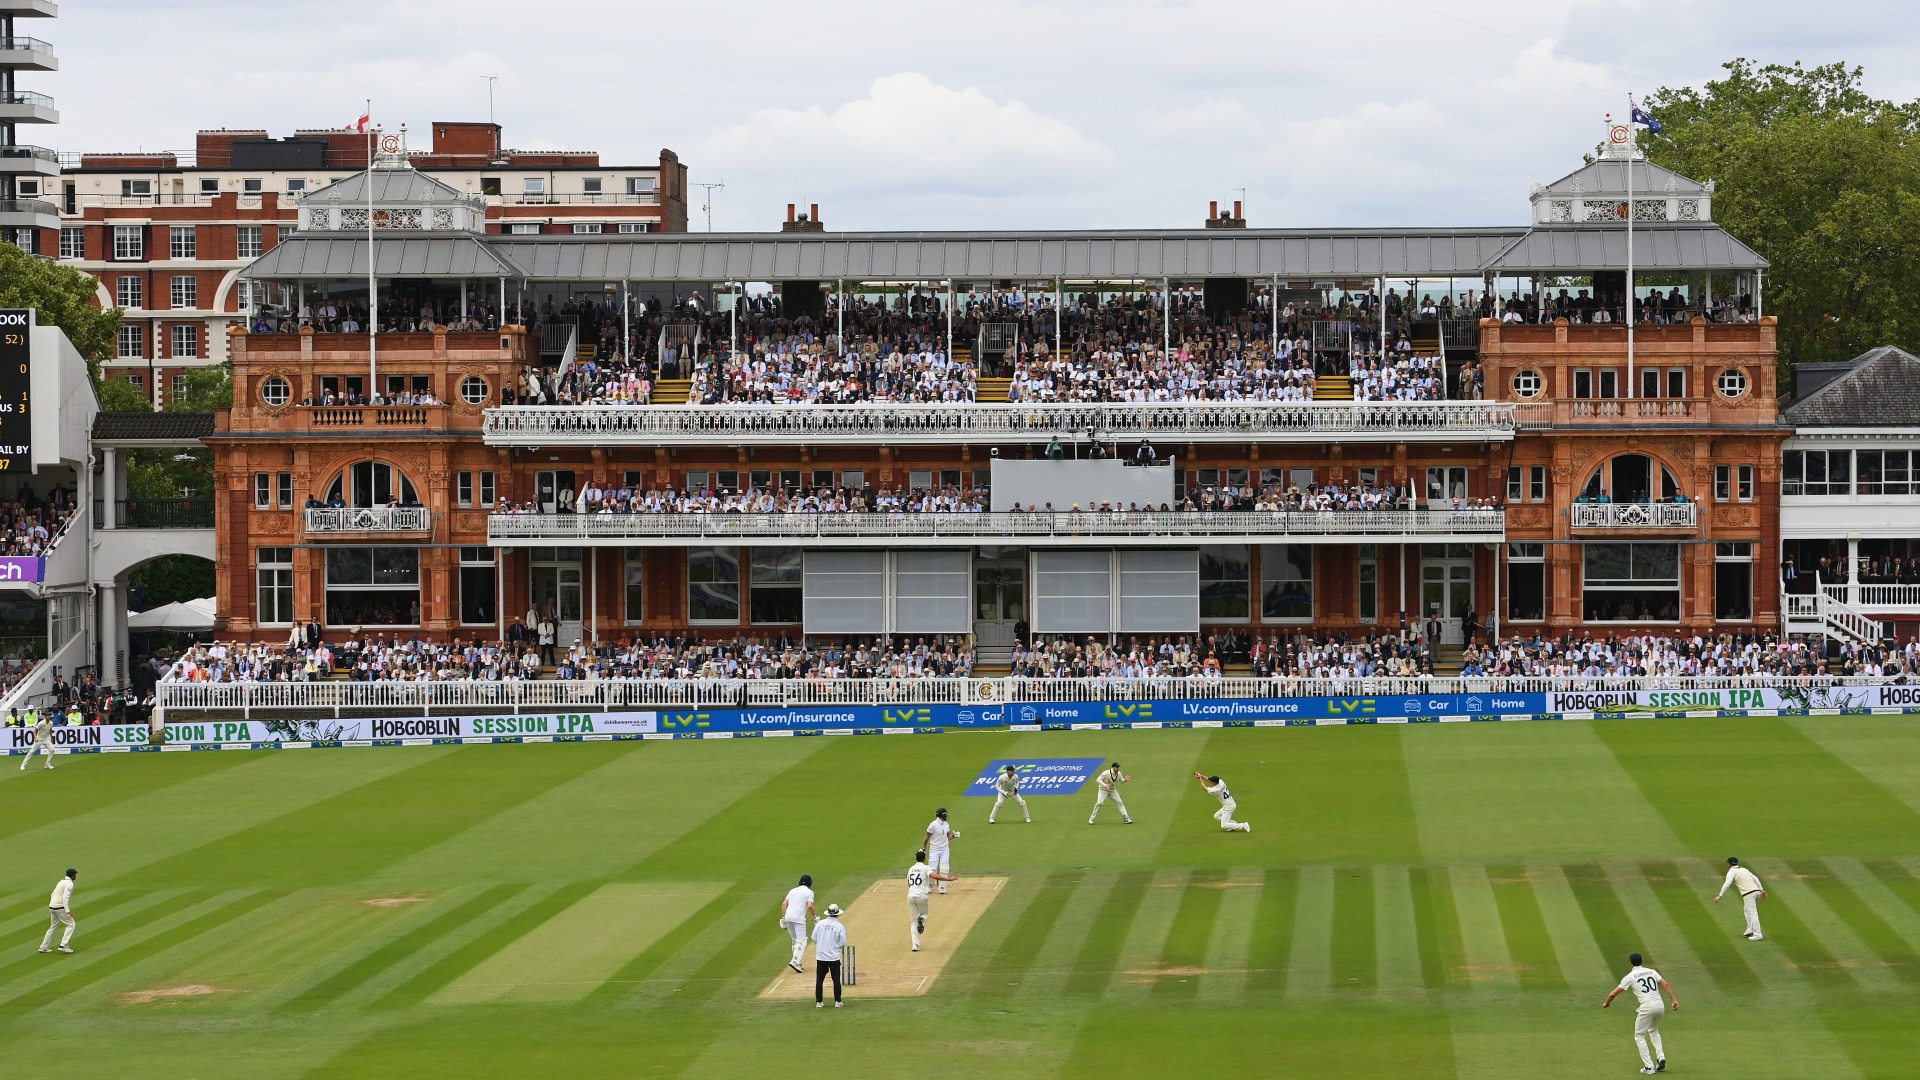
{"x": 58, "y": 917}
{"x": 37, "y": 748}
{"x": 1101, "y": 799}
{"x": 1646, "y": 1030}
{"x": 937, "y": 862}
{"x": 797, "y": 930}
{"x": 1016, "y": 797}
{"x": 916, "y": 911}
{"x": 1750, "y": 903}
{"x": 1225, "y": 817}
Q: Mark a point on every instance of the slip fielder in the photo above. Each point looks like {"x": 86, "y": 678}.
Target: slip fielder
{"x": 937, "y": 844}
{"x": 1108, "y": 781}
{"x": 1217, "y": 788}
{"x": 1007, "y": 786}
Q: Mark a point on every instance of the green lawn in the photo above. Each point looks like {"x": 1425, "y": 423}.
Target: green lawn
{"x": 1424, "y": 901}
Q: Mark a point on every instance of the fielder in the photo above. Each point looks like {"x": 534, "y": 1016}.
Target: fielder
{"x": 60, "y": 913}
{"x": 1108, "y": 781}
{"x": 793, "y": 918}
{"x": 1007, "y": 786}
{"x": 1646, "y": 985}
{"x": 938, "y": 844}
{"x": 1217, "y": 788}
{"x": 42, "y": 743}
{"x": 919, "y": 875}
{"x": 1751, "y": 893}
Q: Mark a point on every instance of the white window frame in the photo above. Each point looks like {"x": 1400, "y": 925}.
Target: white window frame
{"x": 648, "y": 186}
{"x": 180, "y": 334}
{"x": 631, "y": 227}
{"x": 183, "y": 242}
{"x": 130, "y": 342}
{"x": 588, "y": 228}
{"x": 523, "y": 228}
{"x": 209, "y": 185}
{"x": 533, "y": 185}
{"x": 129, "y": 243}
{"x": 273, "y": 572}
{"x": 183, "y": 292}
{"x": 250, "y": 241}
{"x": 129, "y": 291}
{"x": 73, "y": 242}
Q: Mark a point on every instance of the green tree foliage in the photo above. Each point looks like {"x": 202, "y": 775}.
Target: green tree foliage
{"x": 172, "y": 578}
{"x": 1823, "y": 180}
{"x": 207, "y": 389}
{"x": 64, "y": 297}
{"x": 121, "y": 396}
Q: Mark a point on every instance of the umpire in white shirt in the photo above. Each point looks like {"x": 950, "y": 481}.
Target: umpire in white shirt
{"x": 1751, "y": 893}
{"x": 829, "y": 937}
{"x": 60, "y": 913}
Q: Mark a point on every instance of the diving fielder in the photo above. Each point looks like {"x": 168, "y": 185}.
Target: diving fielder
{"x": 793, "y": 918}
{"x": 1646, "y": 985}
{"x": 919, "y": 875}
{"x": 1751, "y": 893}
{"x": 42, "y": 743}
{"x": 1007, "y": 786}
{"x": 1108, "y": 781}
{"x": 1217, "y": 788}
{"x": 938, "y": 845}
{"x": 60, "y": 913}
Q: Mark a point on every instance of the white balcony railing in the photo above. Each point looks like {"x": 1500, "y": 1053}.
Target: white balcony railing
{"x": 1875, "y": 598}
{"x": 1203, "y": 421}
{"x": 1635, "y": 515}
{"x": 1057, "y": 528}
{"x": 369, "y": 519}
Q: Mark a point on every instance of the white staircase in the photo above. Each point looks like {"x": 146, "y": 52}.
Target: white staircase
{"x": 1819, "y": 612}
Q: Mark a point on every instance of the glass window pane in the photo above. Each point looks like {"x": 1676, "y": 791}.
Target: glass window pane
{"x": 1609, "y": 562}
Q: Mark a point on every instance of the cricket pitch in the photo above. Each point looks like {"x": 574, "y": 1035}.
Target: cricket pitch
{"x": 877, "y": 928}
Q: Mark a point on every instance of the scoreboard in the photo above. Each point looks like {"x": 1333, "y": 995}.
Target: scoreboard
{"x": 16, "y": 376}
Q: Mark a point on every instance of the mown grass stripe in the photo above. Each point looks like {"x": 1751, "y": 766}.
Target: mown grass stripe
{"x": 1354, "y": 960}
{"x": 1663, "y": 937}
{"x": 1899, "y": 879}
{"x": 649, "y": 959}
{"x": 1310, "y": 969}
{"x": 1136, "y": 969}
{"x": 391, "y": 954}
{"x": 101, "y": 911}
{"x": 1437, "y": 922}
{"x": 153, "y": 945}
{"x": 1188, "y": 935}
{"x": 1873, "y": 892}
{"x": 95, "y": 935}
{"x": 1489, "y": 965}
{"x": 1270, "y": 948}
{"x": 1580, "y": 961}
{"x": 1395, "y": 935}
{"x": 1094, "y": 964}
{"x": 423, "y": 983}
{"x": 1606, "y": 917}
{"x": 1864, "y": 946}
{"x": 1788, "y": 934}
{"x": 1230, "y": 946}
{"x": 1679, "y": 893}
{"x": 1042, "y": 974}
{"x": 1528, "y": 943}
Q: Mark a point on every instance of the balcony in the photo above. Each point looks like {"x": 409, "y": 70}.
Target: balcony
{"x": 29, "y": 214}
{"x": 368, "y": 520}
{"x": 604, "y": 199}
{"x": 28, "y": 160}
{"x": 884, "y": 424}
{"x": 1888, "y": 600}
{"x": 1027, "y": 529}
{"x": 1635, "y": 515}
{"x": 163, "y": 514}
{"x": 25, "y": 107}
{"x": 27, "y": 54}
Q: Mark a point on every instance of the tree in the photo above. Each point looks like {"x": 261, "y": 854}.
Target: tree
{"x": 64, "y": 297}
{"x": 121, "y": 396}
{"x": 172, "y": 578}
{"x": 207, "y": 389}
{"x": 1820, "y": 178}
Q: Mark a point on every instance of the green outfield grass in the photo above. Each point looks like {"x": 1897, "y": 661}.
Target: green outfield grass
{"x": 1428, "y": 901}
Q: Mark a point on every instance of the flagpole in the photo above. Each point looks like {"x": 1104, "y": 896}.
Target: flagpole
{"x": 373, "y": 285}
{"x": 1633, "y": 145}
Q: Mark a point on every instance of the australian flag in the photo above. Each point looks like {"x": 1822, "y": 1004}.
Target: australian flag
{"x": 1645, "y": 119}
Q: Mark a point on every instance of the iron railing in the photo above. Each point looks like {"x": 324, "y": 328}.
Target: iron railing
{"x": 369, "y": 519}
{"x": 1635, "y": 515}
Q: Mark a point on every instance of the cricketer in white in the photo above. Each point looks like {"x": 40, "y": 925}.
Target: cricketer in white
{"x": 1217, "y": 788}
{"x": 938, "y": 843}
{"x": 1007, "y": 786}
{"x": 1108, "y": 782}
{"x": 793, "y": 918}
{"x": 1646, "y": 985}
{"x": 1751, "y": 893}
{"x": 60, "y": 913}
{"x": 920, "y": 877}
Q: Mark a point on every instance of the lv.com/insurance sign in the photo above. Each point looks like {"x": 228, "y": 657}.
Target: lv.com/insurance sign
{"x": 1039, "y": 776}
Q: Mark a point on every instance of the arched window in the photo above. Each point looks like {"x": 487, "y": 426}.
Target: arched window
{"x": 1628, "y": 478}
{"x": 372, "y": 483}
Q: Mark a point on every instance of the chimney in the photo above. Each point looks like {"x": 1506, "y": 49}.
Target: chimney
{"x": 1213, "y": 210}
{"x": 1217, "y": 220}
{"x": 1236, "y": 210}
{"x": 807, "y": 223}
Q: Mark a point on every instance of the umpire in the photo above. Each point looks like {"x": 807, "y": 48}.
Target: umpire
{"x": 829, "y": 937}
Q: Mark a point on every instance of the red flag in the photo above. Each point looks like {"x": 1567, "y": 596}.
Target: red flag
{"x": 360, "y": 126}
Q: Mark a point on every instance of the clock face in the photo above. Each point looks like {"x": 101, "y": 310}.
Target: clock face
{"x": 1619, "y": 134}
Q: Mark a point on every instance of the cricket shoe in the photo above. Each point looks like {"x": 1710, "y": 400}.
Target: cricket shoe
{"x": 1126, "y": 821}
{"x": 65, "y": 949}
{"x": 819, "y": 1004}
{"x": 1649, "y": 1071}
{"x": 916, "y": 948}
{"x": 1662, "y": 1067}
{"x": 43, "y": 948}
{"x": 839, "y": 1004}
{"x": 795, "y": 965}
{"x": 1758, "y": 937}
{"x": 922, "y": 920}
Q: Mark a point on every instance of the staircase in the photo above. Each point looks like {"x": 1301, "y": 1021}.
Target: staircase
{"x": 991, "y": 391}
{"x": 992, "y": 661}
{"x": 1333, "y": 388}
{"x": 671, "y": 391}
{"x": 1448, "y": 660}
{"x": 1819, "y": 613}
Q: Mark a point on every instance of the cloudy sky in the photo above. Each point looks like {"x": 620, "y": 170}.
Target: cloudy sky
{"x": 991, "y": 113}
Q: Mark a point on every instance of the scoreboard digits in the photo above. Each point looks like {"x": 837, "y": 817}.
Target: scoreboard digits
{"x": 16, "y": 379}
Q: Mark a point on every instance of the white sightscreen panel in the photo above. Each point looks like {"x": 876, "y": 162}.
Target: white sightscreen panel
{"x": 844, "y": 592}
{"x": 1072, "y": 592}
{"x": 1083, "y": 483}
{"x": 931, "y": 592}
{"x": 1160, "y": 591}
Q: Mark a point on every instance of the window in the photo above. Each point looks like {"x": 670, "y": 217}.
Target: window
{"x": 185, "y": 292}
{"x": 136, "y": 189}
{"x": 1286, "y": 583}
{"x": 283, "y": 489}
{"x": 1733, "y": 483}
{"x": 463, "y": 488}
{"x": 1536, "y": 483}
{"x": 1446, "y": 482}
{"x": 775, "y": 579}
{"x": 523, "y": 228}
{"x": 586, "y": 228}
{"x": 1628, "y": 478}
{"x": 487, "y": 489}
{"x": 919, "y": 479}
{"x": 1582, "y": 383}
{"x": 262, "y": 491}
{"x": 128, "y": 292}
{"x": 472, "y": 486}
{"x": 1631, "y": 583}
{"x": 1733, "y": 581}
{"x": 372, "y": 483}
{"x": 474, "y": 390}
{"x": 27, "y": 189}
{"x": 296, "y": 184}
{"x": 186, "y": 340}
{"x": 250, "y": 242}
{"x": 1887, "y": 472}
{"x": 373, "y": 586}
{"x": 1226, "y": 573}
{"x": 534, "y": 185}
{"x": 1528, "y": 384}
{"x": 182, "y": 242}
{"x": 130, "y": 342}
{"x": 479, "y": 587}
{"x": 252, "y": 185}
{"x": 636, "y": 609}
{"x": 1732, "y": 382}
{"x": 129, "y": 243}
{"x": 590, "y": 185}
{"x": 1369, "y": 585}
{"x": 854, "y": 479}
{"x": 177, "y": 388}
{"x": 696, "y": 480}
{"x": 1609, "y": 383}
{"x": 713, "y": 585}
{"x": 635, "y": 227}
{"x": 1526, "y": 582}
{"x": 1818, "y": 472}
{"x": 642, "y": 185}
{"x": 209, "y": 185}
{"x": 1676, "y": 382}
{"x": 73, "y": 243}
{"x": 273, "y": 578}
{"x": 276, "y": 391}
